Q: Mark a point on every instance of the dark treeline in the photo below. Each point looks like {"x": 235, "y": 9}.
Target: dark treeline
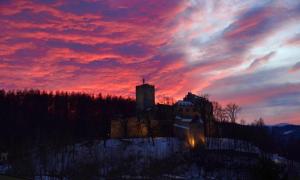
{"x": 34, "y": 117}
{"x": 227, "y": 127}
{"x": 260, "y": 135}
{"x": 257, "y": 134}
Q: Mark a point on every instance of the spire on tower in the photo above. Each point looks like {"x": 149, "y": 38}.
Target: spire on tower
{"x": 143, "y": 80}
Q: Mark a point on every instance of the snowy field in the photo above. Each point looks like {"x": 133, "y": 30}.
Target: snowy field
{"x": 231, "y": 144}
{"x": 128, "y": 158}
{"x": 133, "y": 155}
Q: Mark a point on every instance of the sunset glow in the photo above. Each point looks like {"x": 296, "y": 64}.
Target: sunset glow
{"x": 246, "y": 52}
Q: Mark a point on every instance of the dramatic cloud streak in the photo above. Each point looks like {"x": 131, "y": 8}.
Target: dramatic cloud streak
{"x": 242, "y": 51}
{"x": 260, "y": 61}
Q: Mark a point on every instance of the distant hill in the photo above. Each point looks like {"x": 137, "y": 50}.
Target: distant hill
{"x": 284, "y": 131}
{"x": 282, "y": 125}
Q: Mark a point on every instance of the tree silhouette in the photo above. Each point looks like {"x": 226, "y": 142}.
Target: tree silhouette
{"x": 32, "y": 117}
{"x": 232, "y": 111}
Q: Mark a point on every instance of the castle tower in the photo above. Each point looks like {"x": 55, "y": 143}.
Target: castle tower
{"x": 145, "y": 96}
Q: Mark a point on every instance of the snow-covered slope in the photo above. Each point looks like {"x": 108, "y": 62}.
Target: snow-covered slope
{"x": 129, "y": 154}
{"x": 231, "y": 144}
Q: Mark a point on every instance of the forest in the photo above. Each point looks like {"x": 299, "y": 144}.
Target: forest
{"x": 33, "y": 117}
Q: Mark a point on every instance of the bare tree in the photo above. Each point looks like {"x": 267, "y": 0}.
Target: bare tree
{"x": 243, "y": 122}
{"x": 232, "y": 111}
{"x": 168, "y": 100}
{"x": 219, "y": 112}
{"x": 259, "y": 122}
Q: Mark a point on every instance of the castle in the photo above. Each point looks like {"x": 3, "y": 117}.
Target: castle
{"x": 145, "y": 96}
{"x": 191, "y": 115}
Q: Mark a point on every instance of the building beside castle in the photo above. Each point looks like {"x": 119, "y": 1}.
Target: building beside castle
{"x": 192, "y": 117}
{"x": 145, "y": 96}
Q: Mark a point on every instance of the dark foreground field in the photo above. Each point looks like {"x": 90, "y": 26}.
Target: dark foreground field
{"x": 145, "y": 158}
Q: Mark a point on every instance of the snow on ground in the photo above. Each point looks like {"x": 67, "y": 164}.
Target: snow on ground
{"x": 288, "y": 132}
{"x": 135, "y": 153}
{"x": 129, "y": 158}
{"x": 231, "y": 144}
{"x": 278, "y": 159}
{"x": 158, "y": 148}
{"x": 3, "y": 168}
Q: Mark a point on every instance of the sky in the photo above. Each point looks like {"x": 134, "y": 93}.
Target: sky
{"x": 245, "y": 52}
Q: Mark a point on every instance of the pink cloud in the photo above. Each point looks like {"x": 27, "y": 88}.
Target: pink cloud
{"x": 108, "y": 46}
{"x": 295, "y": 41}
{"x": 260, "y": 61}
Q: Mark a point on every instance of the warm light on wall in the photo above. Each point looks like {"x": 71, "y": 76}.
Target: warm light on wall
{"x": 195, "y": 140}
{"x": 191, "y": 141}
{"x": 202, "y": 138}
